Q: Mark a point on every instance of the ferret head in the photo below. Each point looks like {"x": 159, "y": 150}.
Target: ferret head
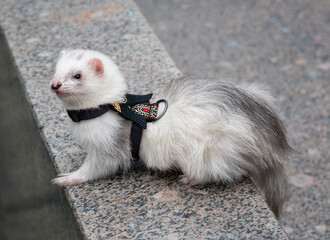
{"x": 87, "y": 79}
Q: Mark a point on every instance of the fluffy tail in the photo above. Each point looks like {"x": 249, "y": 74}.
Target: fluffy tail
{"x": 270, "y": 170}
{"x": 273, "y": 183}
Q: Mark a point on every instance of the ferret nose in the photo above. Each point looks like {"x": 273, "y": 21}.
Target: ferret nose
{"x": 56, "y": 86}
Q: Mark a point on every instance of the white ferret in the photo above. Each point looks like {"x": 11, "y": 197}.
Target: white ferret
{"x": 212, "y": 131}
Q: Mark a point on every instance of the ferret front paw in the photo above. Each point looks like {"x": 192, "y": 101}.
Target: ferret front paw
{"x": 68, "y": 179}
{"x": 187, "y": 180}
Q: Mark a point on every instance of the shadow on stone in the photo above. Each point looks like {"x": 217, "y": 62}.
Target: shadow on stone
{"x": 30, "y": 207}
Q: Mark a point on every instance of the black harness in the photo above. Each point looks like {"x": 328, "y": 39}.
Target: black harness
{"x": 135, "y": 108}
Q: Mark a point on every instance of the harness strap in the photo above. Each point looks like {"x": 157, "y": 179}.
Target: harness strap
{"x": 80, "y": 115}
{"x": 136, "y": 136}
{"x": 135, "y": 108}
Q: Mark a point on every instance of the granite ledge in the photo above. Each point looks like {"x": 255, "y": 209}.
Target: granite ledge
{"x": 142, "y": 203}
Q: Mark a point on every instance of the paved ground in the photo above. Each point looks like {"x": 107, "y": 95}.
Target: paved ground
{"x": 285, "y": 44}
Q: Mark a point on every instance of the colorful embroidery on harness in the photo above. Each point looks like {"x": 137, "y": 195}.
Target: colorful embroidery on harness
{"x": 149, "y": 111}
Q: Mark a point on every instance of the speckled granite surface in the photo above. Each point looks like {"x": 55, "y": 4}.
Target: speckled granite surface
{"x": 141, "y": 204}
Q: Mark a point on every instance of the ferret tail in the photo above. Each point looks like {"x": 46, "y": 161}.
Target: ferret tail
{"x": 273, "y": 183}
{"x": 270, "y": 172}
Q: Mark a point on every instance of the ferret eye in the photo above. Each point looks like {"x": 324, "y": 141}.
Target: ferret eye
{"x": 77, "y": 76}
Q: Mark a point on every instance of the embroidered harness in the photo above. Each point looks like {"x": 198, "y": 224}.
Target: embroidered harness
{"x": 135, "y": 108}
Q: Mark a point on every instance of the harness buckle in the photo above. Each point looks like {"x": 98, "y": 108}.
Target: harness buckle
{"x": 164, "y": 110}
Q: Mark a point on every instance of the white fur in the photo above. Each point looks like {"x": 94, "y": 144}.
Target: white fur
{"x": 97, "y": 135}
{"x": 202, "y": 142}
{"x": 91, "y": 92}
{"x": 212, "y": 131}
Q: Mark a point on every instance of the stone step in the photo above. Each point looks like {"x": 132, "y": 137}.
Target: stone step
{"x": 141, "y": 204}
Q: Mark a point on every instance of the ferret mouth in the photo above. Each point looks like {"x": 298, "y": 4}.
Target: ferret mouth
{"x": 62, "y": 94}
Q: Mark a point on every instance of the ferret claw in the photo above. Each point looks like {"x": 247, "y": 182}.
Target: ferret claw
{"x": 187, "y": 180}
{"x": 63, "y": 174}
{"x": 67, "y": 179}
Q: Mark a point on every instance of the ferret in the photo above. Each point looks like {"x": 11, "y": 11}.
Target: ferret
{"x": 213, "y": 131}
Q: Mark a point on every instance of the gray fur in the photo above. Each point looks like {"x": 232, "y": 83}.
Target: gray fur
{"x": 268, "y": 166}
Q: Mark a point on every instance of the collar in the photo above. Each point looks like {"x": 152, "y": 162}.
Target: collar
{"x": 132, "y": 107}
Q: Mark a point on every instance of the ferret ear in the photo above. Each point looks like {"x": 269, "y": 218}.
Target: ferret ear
{"x": 97, "y": 66}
